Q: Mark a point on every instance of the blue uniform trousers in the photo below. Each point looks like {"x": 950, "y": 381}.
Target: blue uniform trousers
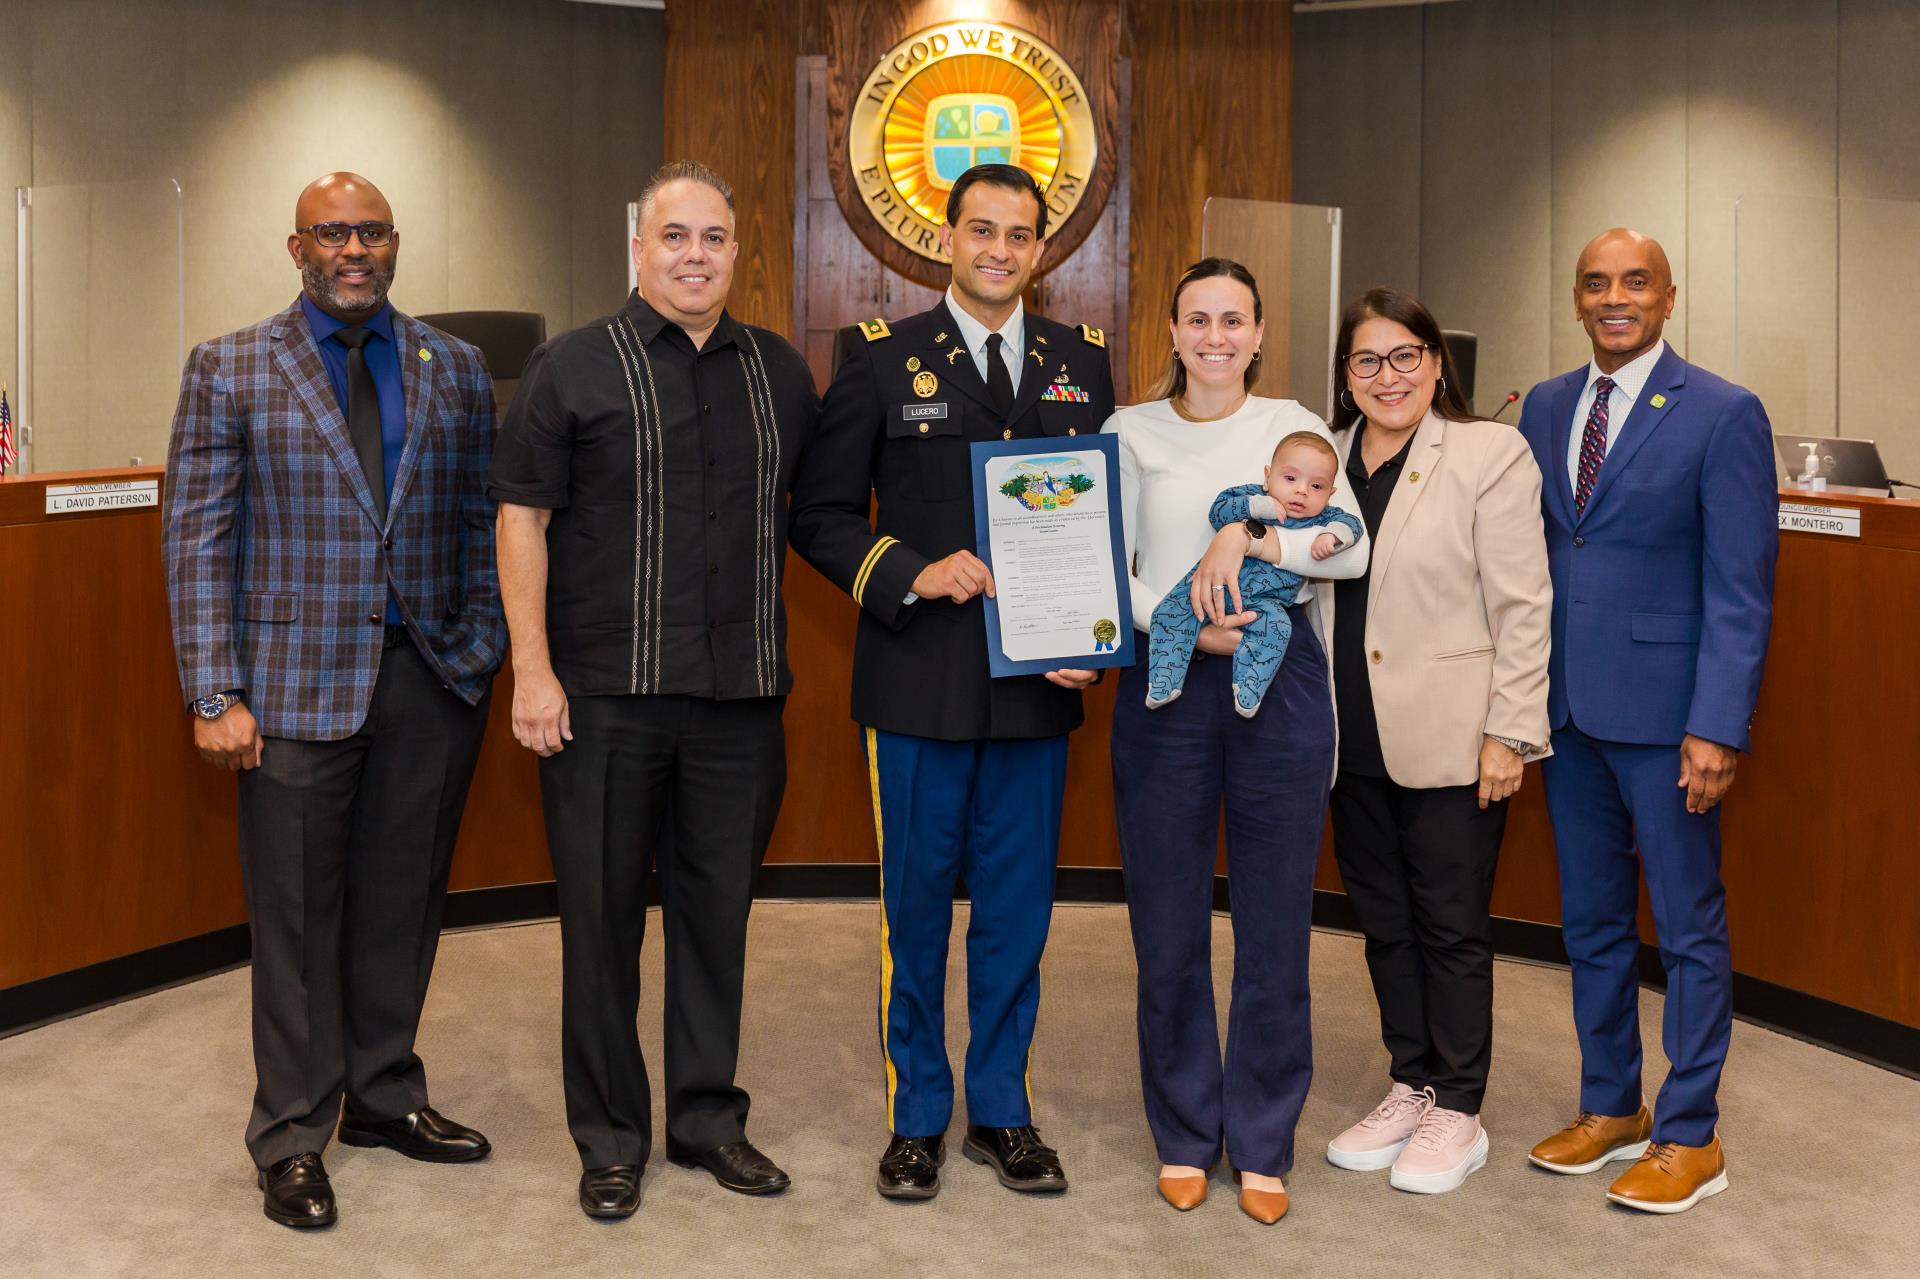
{"x": 1172, "y": 767}
{"x": 987, "y": 812}
{"x": 1606, "y": 798}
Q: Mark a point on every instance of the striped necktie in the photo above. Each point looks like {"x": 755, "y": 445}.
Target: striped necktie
{"x": 1593, "y": 444}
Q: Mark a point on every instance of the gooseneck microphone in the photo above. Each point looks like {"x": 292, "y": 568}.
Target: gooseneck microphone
{"x": 1504, "y": 405}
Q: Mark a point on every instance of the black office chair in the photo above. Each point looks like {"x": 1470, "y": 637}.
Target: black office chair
{"x": 1464, "y": 347}
{"x": 505, "y": 338}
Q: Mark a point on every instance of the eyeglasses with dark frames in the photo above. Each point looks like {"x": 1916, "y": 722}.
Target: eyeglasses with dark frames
{"x": 1364, "y": 364}
{"x": 334, "y": 235}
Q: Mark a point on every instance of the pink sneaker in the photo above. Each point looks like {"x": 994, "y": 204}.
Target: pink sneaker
{"x": 1376, "y": 1141}
{"x": 1448, "y": 1147}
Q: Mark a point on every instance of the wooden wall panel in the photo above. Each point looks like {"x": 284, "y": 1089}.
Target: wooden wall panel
{"x": 729, "y": 103}
{"x": 1212, "y": 115}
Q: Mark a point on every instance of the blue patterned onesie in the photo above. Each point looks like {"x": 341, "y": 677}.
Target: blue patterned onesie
{"x": 1267, "y": 589}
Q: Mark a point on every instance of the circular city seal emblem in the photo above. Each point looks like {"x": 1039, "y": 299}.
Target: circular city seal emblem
{"x": 1104, "y": 634}
{"x": 959, "y": 94}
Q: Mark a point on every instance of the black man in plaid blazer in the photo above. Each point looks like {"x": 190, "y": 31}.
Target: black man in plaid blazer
{"x": 337, "y": 622}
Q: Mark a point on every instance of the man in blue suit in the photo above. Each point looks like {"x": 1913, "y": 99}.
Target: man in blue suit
{"x": 1661, "y": 516}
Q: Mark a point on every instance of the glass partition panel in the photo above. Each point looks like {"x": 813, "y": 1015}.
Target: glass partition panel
{"x": 1820, "y": 292}
{"x": 105, "y": 322}
{"x": 1293, "y": 250}
{"x": 1786, "y": 308}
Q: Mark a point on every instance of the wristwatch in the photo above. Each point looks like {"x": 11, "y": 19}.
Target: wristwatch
{"x": 217, "y": 705}
{"x": 1525, "y": 750}
{"x": 1255, "y": 529}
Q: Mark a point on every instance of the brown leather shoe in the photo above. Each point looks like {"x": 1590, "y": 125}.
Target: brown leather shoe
{"x": 1592, "y": 1141}
{"x": 1671, "y": 1177}
{"x": 1184, "y": 1193}
{"x": 1264, "y": 1206}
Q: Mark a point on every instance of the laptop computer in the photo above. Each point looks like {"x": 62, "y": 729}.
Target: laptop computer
{"x": 1848, "y": 466}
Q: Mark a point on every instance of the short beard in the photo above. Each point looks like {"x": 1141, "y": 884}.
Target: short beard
{"x": 320, "y": 287}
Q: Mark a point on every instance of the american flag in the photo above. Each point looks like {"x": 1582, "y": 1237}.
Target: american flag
{"x": 8, "y": 454}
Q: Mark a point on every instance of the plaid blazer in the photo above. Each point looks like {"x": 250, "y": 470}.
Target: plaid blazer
{"x": 277, "y": 574}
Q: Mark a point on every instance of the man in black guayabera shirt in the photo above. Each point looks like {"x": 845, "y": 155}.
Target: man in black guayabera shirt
{"x": 642, "y": 478}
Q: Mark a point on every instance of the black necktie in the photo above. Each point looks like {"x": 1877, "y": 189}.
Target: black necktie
{"x": 363, "y": 417}
{"x": 999, "y": 381}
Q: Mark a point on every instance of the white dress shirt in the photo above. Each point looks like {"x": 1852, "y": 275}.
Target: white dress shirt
{"x": 1628, "y": 381}
{"x": 1013, "y": 336}
{"x": 1172, "y": 469}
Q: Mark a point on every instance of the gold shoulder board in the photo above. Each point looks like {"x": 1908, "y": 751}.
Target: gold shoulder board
{"x": 875, "y": 329}
{"x": 1093, "y": 336}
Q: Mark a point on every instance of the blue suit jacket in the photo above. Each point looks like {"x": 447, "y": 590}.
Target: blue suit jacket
{"x": 1663, "y": 587}
{"x": 278, "y": 573}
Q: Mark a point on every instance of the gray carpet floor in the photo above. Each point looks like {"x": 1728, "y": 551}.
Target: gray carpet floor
{"x": 120, "y": 1149}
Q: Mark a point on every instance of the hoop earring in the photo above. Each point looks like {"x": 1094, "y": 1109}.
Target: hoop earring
{"x": 1173, "y": 357}
{"x": 1443, "y": 387}
{"x": 1345, "y": 399}
{"x": 1256, "y": 352}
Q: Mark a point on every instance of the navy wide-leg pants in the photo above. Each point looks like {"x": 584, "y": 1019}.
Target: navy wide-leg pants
{"x": 988, "y": 812}
{"x": 1172, "y": 767}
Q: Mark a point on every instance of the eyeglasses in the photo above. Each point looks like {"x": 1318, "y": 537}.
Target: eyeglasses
{"x": 334, "y": 235}
{"x": 1405, "y": 359}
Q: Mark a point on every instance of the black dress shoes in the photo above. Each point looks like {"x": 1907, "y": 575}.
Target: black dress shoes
{"x": 738, "y": 1167}
{"x": 298, "y": 1192}
{"x": 610, "y": 1192}
{"x": 911, "y": 1167}
{"x": 1021, "y": 1159}
{"x": 426, "y": 1134}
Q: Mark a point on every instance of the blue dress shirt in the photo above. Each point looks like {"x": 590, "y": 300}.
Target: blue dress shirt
{"x": 383, "y": 363}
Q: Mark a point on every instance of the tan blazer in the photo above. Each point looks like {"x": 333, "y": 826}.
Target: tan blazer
{"x": 1459, "y": 605}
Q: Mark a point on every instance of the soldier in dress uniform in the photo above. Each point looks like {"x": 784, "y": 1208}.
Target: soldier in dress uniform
{"x": 967, "y": 771}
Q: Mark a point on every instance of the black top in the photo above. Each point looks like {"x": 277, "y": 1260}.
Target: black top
{"x": 1353, "y": 684}
{"x": 667, "y": 470}
{"x": 895, "y": 430}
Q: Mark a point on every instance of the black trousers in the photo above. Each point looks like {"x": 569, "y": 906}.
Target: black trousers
{"x": 695, "y": 784}
{"x": 1418, "y": 867}
{"x": 344, "y": 852}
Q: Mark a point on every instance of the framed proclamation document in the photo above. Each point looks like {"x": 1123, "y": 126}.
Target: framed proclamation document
{"x": 1046, "y": 514}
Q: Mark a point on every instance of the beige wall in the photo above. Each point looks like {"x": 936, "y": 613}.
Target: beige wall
{"x": 508, "y": 134}
{"x": 1475, "y": 146}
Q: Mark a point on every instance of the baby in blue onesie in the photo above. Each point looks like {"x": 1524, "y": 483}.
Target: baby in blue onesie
{"x": 1298, "y": 485}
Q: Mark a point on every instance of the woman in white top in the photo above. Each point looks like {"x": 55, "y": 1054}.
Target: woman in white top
{"x": 1173, "y": 766}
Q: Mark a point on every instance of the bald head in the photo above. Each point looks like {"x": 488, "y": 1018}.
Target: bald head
{"x": 1631, "y": 242}
{"x": 1623, "y": 293}
{"x": 349, "y": 278}
{"x": 321, "y": 199}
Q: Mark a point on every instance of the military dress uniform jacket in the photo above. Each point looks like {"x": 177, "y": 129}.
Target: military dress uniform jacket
{"x": 894, "y": 438}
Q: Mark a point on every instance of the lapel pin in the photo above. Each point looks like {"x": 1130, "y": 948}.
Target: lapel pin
{"x": 940, "y": 336}
{"x": 925, "y": 384}
{"x": 1414, "y": 478}
{"x": 913, "y": 364}
{"x": 1036, "y": 357}
{"x": 955, "y": 354}
{"x": 1041, "y": 338}
{"x": 426, "y": 356}
{"x": 1659, "y": 401}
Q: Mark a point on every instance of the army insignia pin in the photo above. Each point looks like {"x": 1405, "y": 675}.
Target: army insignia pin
{"x": 925, "y": 384}
{"x": 913, "y": 364}
{"x": 940, "y": 336}
{"x": 1036, "y": 357}
{"x": 954, "y": 354}
{"x": 1062, "y": 379}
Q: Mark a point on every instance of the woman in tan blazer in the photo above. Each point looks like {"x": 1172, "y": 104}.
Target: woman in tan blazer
{"x": 1439, "y": 657}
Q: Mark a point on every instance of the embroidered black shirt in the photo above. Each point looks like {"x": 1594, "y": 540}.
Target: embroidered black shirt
{"x": 667, "y": 470}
